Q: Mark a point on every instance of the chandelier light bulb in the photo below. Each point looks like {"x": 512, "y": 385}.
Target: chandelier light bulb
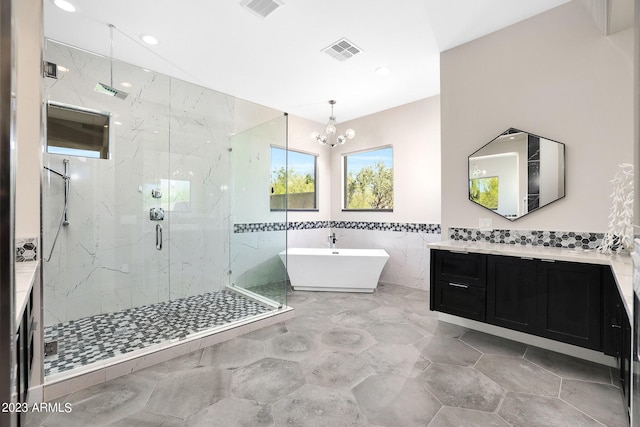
{"x": 330, "y": 130}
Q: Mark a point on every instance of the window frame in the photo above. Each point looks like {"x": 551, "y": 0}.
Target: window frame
{"x": 315, "y": 179}
{"x": 104, "y": 154}
{"x": 345, "y": 168}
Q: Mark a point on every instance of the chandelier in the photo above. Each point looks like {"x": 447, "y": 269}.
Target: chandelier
{"x": 329, "y": 137}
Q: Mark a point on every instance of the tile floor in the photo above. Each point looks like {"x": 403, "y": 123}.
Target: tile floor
{"x": 356, "y": 360}
{"x": 100, "y": 337}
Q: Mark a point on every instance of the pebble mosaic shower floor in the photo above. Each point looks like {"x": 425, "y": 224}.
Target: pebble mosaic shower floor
{"x": 103, "y": 336}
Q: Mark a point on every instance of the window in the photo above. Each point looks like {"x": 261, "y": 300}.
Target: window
{"x": 77, "y": 132}
{"x": 298, "y": 173}
{"x": 368, "y": 180}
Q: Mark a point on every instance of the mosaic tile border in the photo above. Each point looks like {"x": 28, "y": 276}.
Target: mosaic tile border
{"x": 26, "y": 249}
{"x": 409, "y": 227}
{"x": 404, "y": 227}
{"x": 557, "y": 239}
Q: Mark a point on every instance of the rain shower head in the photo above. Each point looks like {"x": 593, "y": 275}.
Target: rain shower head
{"x": 108, "y": 90}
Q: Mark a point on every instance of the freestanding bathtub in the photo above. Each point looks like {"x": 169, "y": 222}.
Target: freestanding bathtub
{"x": 336, "y": 270}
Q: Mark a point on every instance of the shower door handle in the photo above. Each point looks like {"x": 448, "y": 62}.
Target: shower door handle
{"x": 159, "y": 237}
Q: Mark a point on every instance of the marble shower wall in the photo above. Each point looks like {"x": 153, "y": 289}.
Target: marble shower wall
{"x": 106, "y": 259}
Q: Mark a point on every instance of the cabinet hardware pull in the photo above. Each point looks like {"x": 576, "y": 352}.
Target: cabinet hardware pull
{"x": 527, "y": 258}
{"x": 547, "y": 260}
{"x": 459, "y": 252}
{"x": 458, "y": 285}
{"x": 159, "y": 237}
{"x": 613, "y": 325}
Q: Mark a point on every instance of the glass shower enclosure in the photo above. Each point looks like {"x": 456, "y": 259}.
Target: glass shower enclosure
{"x": 154, "y": 229}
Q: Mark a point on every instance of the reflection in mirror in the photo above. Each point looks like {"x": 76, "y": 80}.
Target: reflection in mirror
{"x": 517, "y": 173}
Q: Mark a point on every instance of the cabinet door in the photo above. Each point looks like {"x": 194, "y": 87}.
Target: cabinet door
{"x": 512, "y": 288}
{"x": 569, "y": 303}
{"x": 458, "y": 299}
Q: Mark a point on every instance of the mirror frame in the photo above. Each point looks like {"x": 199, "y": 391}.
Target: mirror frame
{"x": 530, "y": 168}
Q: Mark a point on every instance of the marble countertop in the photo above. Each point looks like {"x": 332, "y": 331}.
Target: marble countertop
{"x": 25, "y": 278}
{"x": 621, "y": 264}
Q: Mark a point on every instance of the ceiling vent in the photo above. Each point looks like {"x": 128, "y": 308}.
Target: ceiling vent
{"x": 262, "y": 8}
{"x": 342, "y": 50}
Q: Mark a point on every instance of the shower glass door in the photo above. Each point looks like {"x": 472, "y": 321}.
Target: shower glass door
{"x": 258, "y": 235}
{"x": 137, "y": 211}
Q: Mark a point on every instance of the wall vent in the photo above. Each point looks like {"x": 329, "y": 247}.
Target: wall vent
{"x": 342, "y": 50}
{"x": 262, "y": 8}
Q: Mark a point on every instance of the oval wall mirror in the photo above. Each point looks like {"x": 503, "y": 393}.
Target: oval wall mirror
{"x": 517, "y": 173}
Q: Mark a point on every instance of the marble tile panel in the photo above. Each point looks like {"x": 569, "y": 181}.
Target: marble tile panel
{"x": 243, "y": 413}
{"x": 267, "y": 380}
{"x": 449, "y": 416}
{"x": 519, "y": 375}
{"x": 439, "y": 349}
{"x": 600, "y": 401}
{"x": 394, "y": 333}
{"x": 266, "y": 333}
{"x": 351, "y": 340}
{"x": 294, "y": 346}
{"x": 568, "y": 367}
{"x": 396, "y": 359}
{"x": 148, "y": 419}
{"x": 336, "y": 369}
{"x": 314, "y": 405}
{"x": 462, "y": 387}
{"x": 353, "y": 319}
{"x": 104, "y": 403}
{"x": 233, "y": 354}
{"x": 185, "y": 393}
{"x": 395, "y": 401}
{"x": 535, "y": 411}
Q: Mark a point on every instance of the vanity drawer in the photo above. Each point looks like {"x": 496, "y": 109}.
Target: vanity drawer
{"x": 459, "y": 299}
{"x": 458, "y": 267}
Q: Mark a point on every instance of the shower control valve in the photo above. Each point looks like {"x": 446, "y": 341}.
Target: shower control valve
{"x": 156, "y": 194}
{"x": 156, "y": 214}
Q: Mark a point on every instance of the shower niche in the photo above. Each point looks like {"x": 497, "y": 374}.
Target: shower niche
{"x": 119, "y": 282}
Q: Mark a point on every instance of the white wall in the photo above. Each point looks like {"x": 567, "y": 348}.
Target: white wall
{"x": 414, "y": 132}
{"x": 554, "y": 75}
{"x": 299, "y": 139}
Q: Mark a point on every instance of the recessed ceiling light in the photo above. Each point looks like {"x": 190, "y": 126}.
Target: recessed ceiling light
{"x": 125, "y": 84}
{"x": 65, "y": 5}
{"x": 149, "y": 39}
{"x": 383, "y": 70}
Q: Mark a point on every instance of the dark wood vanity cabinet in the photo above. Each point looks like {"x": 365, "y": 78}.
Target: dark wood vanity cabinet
{"x": 552, "y": 299}
{"x": 512, "y": 293}
{"x": 569, "y": 303}
{"x": 458, "y": 284}
{"x": 616, "y": 336}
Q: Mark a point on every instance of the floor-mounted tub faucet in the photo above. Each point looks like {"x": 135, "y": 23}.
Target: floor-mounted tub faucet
{"x": 332, "y": 240}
